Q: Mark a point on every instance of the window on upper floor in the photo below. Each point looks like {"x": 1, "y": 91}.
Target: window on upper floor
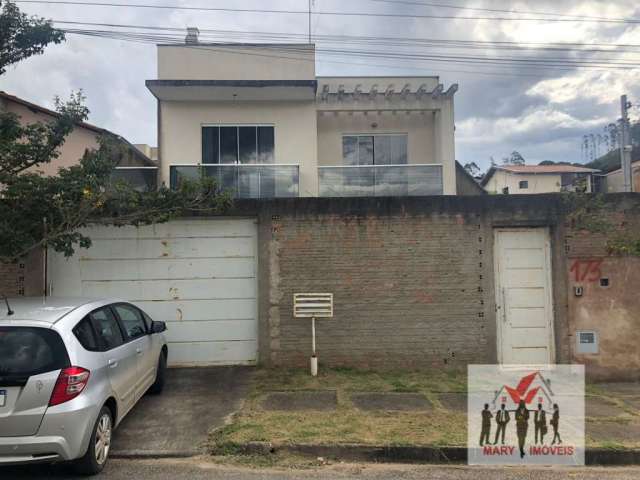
{"x": 523, "y": 184}
{"x": 389, "y": 149}
{"x": 238, "y": 144}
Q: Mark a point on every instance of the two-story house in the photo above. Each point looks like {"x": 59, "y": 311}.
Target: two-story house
{"x": 256, "y": 117}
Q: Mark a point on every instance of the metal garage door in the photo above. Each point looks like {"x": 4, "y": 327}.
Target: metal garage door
{"x": 199, "y": 276}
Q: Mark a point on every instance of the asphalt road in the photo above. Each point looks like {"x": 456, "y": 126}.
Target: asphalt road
{"x": 195, "y": 469}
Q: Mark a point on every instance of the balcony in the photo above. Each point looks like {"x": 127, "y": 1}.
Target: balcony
{"x": 380, "y": 180}
{"x": 142, "y": 179}
{"x": 244, "y": 180}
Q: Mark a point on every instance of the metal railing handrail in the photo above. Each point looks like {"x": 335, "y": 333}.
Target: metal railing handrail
{"x": 234, "y": 165}
{"x": 376, "y": 166}
{"x": 136, "y": 168}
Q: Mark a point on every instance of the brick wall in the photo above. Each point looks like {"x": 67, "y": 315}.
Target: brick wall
{"x": 609, "y": 303}
{"x": 412, "y": 278}
{"x": 401, "y": 285}
{"x": 12, "y": 277}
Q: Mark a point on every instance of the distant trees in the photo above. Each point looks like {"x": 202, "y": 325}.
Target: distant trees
{"x": 473, "y": 169}
{"x": 595, "y": 145}
{"x": 514, "y": 159}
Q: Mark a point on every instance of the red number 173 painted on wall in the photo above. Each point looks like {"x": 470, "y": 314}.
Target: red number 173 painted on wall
{"x": 586, "y": 270}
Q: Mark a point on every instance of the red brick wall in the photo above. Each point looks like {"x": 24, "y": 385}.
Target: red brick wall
{"x": 610, "y": 301}
{"x": 12, "y": 277}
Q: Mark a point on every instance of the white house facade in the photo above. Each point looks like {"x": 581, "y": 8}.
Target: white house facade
{"x": 256, "y": 117}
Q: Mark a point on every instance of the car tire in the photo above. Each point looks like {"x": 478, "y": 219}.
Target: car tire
{"x": 161, "y": 373}
{"x": 97, "y": 454}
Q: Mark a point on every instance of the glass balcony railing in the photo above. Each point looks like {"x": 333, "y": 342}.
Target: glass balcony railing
{"x": 245, "y": 180}
{"x": 143, "y": 179}
{"x": 380, "y": 180}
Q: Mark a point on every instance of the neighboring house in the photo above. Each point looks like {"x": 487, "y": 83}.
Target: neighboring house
{"x": 614, "y": 180}
{"x": 465, "y": 183}
{"x": 27, "y": 277}
{"x": 136, "y": 165}
{"x": 257, "y": 117}
{"x": 538, "y": 179}
{"x": 148, "y": 151}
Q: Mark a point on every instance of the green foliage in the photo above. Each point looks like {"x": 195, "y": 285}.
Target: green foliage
{"x": 585, "y": 212}
{"x": 514, "y": 159}
{"x": 25, "y": 146}
{"x": 624, "y": 244}
{"x": 38, "y": 210}
{"x": 589, "y": 212}
{"x": 22, "y": 36}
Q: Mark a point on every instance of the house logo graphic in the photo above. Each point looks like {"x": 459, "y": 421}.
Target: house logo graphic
{"x": 526, "y": 414}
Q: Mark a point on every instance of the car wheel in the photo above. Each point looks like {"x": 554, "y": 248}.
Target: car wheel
{"x": 161, "y": 373}
{"x": 97, "y": 454}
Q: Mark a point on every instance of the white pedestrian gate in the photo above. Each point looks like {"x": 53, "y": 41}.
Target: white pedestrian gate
{"x": 524, "y": 296}
{"x": 199, "y": 276}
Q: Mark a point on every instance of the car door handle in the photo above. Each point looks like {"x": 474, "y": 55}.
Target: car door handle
{"x": 112, "y": 363}
{"x": 138, "y": 351}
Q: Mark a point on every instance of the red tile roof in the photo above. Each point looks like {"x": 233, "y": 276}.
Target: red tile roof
{"x": 545, "y": 169}
{"x": 46, "y": 111}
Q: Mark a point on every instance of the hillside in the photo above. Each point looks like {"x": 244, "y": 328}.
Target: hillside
{"x": 611, "y": 160}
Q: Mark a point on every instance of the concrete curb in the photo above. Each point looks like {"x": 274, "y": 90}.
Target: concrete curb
{"x": 141, "y": 454}
{"x": 415, "y": 454}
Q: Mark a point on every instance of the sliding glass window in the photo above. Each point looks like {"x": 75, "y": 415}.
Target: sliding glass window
{"x": 238, "y": 144}
{"x": 389, "y": 149}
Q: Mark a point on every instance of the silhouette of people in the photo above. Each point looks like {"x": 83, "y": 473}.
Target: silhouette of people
{"x": 540, "y": 423}
{"x": 555, "y": 421}
{"x": 522, "y": 425}
{"x": 486, "y": 425}
{"x": 502, "y": 418}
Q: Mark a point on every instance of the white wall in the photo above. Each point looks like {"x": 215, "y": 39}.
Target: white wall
{"x": 220, "y": 62}
{"x": 541, "y": 183}
{"x": 615, "y": 179}
{"x": 418, "y": 127}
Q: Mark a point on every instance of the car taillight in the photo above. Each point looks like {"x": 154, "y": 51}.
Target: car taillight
{"x": 69, "y": 385}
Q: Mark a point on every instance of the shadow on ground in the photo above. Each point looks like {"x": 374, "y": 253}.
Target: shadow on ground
{"x": 177, "y": 422}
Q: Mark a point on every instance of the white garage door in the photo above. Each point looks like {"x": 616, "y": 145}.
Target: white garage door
{"x": 199, "y": 276}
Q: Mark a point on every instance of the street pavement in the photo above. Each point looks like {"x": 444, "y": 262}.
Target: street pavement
{"x": 200, "y": 468}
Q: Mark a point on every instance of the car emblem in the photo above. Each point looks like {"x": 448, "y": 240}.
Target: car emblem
{"x": 39, "y": 385}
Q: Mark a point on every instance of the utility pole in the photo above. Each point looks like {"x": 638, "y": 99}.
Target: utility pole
{"x": 625, "y": 145}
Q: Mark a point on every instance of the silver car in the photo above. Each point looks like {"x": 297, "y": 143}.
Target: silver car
{"x": 70, "y": 370}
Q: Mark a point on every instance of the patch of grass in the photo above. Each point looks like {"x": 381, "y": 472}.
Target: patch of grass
{"x": 347, "y": 424}
{"x": 280, "y": 460}
{"x": 612, "y": 445}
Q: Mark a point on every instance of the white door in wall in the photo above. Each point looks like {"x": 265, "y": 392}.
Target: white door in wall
{"x": 524, "y": 308}
{"x": 199, "y": 276}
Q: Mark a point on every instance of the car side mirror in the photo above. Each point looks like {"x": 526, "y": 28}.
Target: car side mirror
{"x": 158, "y": 327}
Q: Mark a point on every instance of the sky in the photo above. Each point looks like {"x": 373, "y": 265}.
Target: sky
{"x": 541, "y": 112}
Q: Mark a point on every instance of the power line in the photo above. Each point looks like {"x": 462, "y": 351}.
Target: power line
{"x": 351, "y": 63}
{"x": 409, "y": 41}
{"x": 463, "y": 59}
{"x": 492, "y": 10}
{"x": 327, "y": 13}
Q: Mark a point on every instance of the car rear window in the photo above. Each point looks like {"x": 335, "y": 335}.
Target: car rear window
{"x": 86, "y": 336}
{"x": 27, "y": 351}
